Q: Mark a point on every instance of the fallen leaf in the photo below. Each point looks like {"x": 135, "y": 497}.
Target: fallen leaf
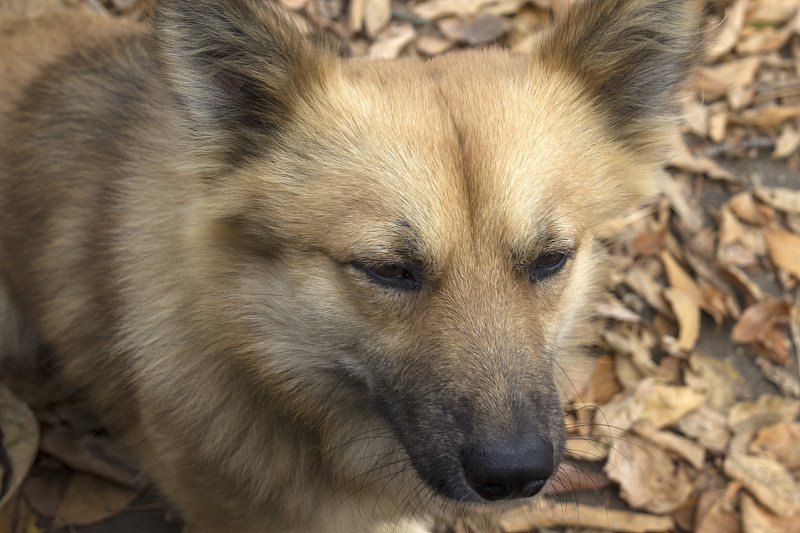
{"x": 726, "y": 37}
{"x": 756, "y": 518}
{"x": 782, "y": 199}
{"x": 767, "y": 117}
{"x": 687, "y": 312}
{"x": 683, "y": 159}
{"x": 546, "y": 514}
{"x": 765, "y": 479}
{"x": 716, "y": 513}
{"x": 43, "y": 495}
{"x": 717, "y": 379}
{"x": 666, "y": 404}
{"x": 767, "y": 410}
{"x": 691, "y": 452}
{"x": 484, "y": 29}
{"x": 90, "y": 499}
{"x": 706, "y": 426}
{"x": 758, "y": 318}
{"x": 780, "y": 442}
{"x": 784, "y": 251}
{"x": 648, "y": 477}
{"x": 392, "y": 40}
{"x": 772, "y": 11}
{"x": 715, "y": 81}
{"x": 377, "y": 14}
{"x": 92, "y": 454}
{"x": 571, "y": 477}
{"x": 747, "y": 209}
{"x": 679, "y": 278}
{"x": 431, "y": 45}
{"x": 787, "y": 142}
{"x": 20, "y": 442}
{"x": 601, "y": 385}
{"x": 738, "y": 244}
{"x": 787, "y": 380}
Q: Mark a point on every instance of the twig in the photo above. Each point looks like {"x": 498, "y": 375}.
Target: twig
{"x": 725, "y": 148}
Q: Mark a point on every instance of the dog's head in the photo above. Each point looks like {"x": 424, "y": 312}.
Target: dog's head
{"x": 412, "y": 242}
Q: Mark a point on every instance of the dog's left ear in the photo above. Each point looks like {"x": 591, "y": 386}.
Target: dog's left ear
{"x": 240, "y": 68}
{"x": 630, "y": 58}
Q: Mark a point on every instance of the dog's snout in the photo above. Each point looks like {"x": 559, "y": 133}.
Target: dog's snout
{"x": 508, "y": 471}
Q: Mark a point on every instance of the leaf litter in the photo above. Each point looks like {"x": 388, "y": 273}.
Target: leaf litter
{"x": 682, "y": 437}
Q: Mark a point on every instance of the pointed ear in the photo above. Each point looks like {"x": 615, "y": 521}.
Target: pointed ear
{"x": 239, "y": 67}
{"x": 630, "y": 58}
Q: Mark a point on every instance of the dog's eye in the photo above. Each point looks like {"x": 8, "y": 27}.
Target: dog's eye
{"x": 547, "y": 264}
{"x": 393, "y": 276}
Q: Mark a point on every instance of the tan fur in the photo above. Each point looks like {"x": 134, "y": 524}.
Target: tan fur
{"x": 191, "y": 221}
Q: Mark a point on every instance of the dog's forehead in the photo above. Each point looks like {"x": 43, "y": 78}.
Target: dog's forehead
{"x": 481, "y": 141}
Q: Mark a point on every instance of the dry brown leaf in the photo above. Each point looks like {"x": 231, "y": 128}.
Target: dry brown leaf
{"x": 633, "y": 346}
{"x": 780, "y": 442}
{"x": 683, "y": 159}
{"x": 601, "y": 385}
{"x": 377, "y": 14}
{"x": 772, "y": 11}
{"x": 687, "y": 312}
{"x": 706, "y": 426}
{"x": 767, "y": 410}
{"x": 90, "y": 499}
{"x": 43, "y": 495}
{"x": 716, "y": 81}
{"x": 758, "y": 519}
{"x": 92, "y": 454}
{"x": 726, "y": 36}
{"x": 788, "y": 142}
{"x": 767, "y": 117}
{"x": 722, "y": 384}
{"x": 716, "y": 513}
{"x": 436, "y": 9}
{"x": 691, "y": 452}
{"x": 787, "y": 380}
{"x": 585, "y": 449}
{"x": 355, "y": 15}
{"x": 760, "y": 40}
{"x": 648, "y": 477}
{"x": 392, "y": 40}
{"x": 784, "y": 250}
{"x": 782, "y": 199}
{"x": 757, "y": 319}
{"x": 752, "y": 290}
{"x": 666, "y": 404}
{"x": 747, "y": 209}
{"x": 679, "y": 278}
{"x": 20, "y": 441}
{"x": 546, "y": 514}
{"x": 571, "y": 477}
{"x": 430, "y": 45}
{"x": 680, "y": 194}
{"x": 646, "y": 286}
{"x": 484, "y": 29}
{"x": 738, "y": 244}
{"x": 765, "y": 479}
{"x": 774, "y": 345}
{"x": 617, "y": 311}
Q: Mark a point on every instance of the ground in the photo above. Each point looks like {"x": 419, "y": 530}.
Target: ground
{"x": 689, "y": 421}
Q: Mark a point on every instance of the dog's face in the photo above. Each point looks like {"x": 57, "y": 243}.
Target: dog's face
{"x": 429, "y": 227}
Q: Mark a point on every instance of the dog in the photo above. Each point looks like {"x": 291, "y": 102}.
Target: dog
{"x": 318, "y": 294}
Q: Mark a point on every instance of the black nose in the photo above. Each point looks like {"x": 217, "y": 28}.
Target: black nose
{"x": 508, "y": 471}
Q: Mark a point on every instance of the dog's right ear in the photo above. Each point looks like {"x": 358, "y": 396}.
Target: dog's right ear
{"x": 239, "y": 67}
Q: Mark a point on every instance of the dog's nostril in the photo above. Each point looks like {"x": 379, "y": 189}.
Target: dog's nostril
{"x": 509, "y": 471}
